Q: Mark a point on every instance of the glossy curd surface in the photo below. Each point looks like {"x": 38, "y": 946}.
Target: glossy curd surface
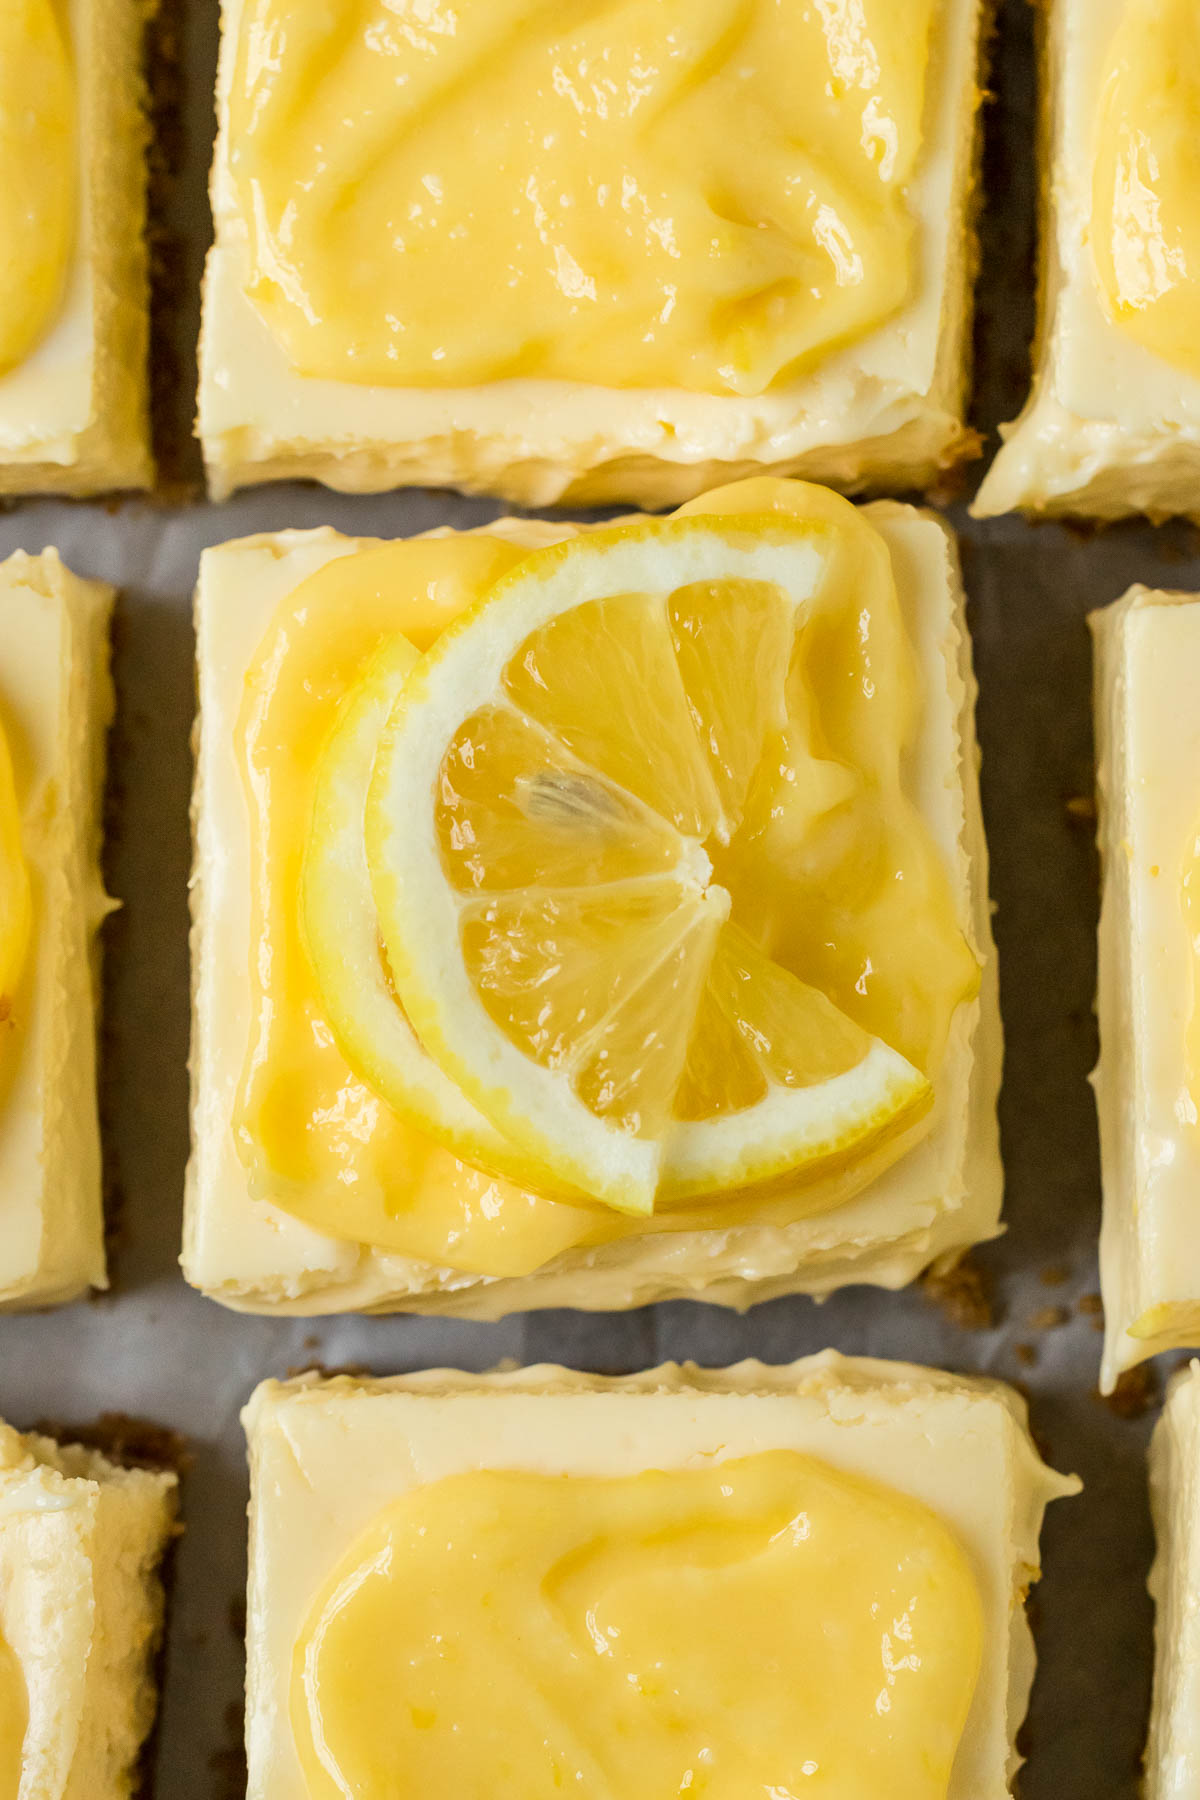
{"x": 865, "y": 911}
{"x": 705, "y": 195}
{"x": 764, "y": 1625}
{"x": 1145, "y": 227}
{"x": 37, "y": 171}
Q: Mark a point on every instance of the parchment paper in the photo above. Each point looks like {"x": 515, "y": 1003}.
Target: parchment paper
{"x": 154, "y": 1348}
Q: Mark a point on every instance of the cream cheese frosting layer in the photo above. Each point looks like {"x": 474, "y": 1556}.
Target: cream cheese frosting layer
{"x": 1110, "y": 428}
{"x": 1172, "y": 1760}
{"x": 328, "y": 1455}
{"x": 74, "y": 412}
{"x": 81, "y": 1611}
{"x": 883, "y": 412}
{"x": 941, "y": 1197}
{"x": 1148, "y": 739}
{"x": 57, "y": 701}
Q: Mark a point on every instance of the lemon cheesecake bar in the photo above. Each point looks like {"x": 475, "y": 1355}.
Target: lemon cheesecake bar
{"x": 1112, "y": 426}
{"x": 55, "y": 705}
{"x": 73, "y": 286}
{"x": 543, "y": 1581}
{"x": 610, "y": 253}
{"x": 1148, "y": 1081}
{"x": 1173, "y": 1750}
{"x": 694, "y": 993}
{"x": 81, "y": 1607}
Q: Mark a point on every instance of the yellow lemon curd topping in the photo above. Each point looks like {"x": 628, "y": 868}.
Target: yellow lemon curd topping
{"x": 698, "y": 194}
{"x": 840, "y": 878}
{"x": 1145, "y": 229}
{"x": 769, "y": 1626}
{"x": 37, "y": 172}
{"x": 14, "y": 1709}
{"x": 313, "y": 1135}
{"x": 16, "y": 906}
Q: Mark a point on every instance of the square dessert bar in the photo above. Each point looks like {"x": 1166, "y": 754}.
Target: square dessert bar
{"x": 336, "y": 1465}
{"x": 1148, "y": 1081}
{"x": 1112, "y": 424}
{"x": 73, "y": 375}
{"x": 247, "y": 1250}
{"x": 868, "y": 394}
{"x": 81, "y": 1608}
{"x": 55, "y": 704}
{"x": 1173, "y": 1750}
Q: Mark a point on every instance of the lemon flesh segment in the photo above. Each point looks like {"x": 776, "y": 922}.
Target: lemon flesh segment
{"x": 16, "y": 900}
{"x": 554, "y": 783}
{"x": 514, "y": 806}
{"x": 341, "y": 929}
{"x": 778, "y": 1078}
{"x": 600, "y": 985}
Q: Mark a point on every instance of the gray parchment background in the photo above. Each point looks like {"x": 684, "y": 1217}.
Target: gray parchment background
{"x": 154, "y": 1348}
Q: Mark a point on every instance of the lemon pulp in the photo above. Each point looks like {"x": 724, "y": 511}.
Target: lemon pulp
{"x": 14, "y": 1718}
{"x": 684, "y": 193}
{"x": 37, "y": 172}
{"x": 312, "y": 1131}
{"x": 16, "y": 905}
{"x": 1145, "y": 228}
{"x": 758, "y": 1627}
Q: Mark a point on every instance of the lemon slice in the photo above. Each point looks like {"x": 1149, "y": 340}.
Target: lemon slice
{"x": 341, "y": 928}
{"x": 16, "y": 906}
{"x": 556, "y": 782}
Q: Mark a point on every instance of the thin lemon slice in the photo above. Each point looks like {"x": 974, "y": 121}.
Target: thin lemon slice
{"x": 341, "y": 929}
{"x": 16, "y": 903}
{"x": 556, "y": 781}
